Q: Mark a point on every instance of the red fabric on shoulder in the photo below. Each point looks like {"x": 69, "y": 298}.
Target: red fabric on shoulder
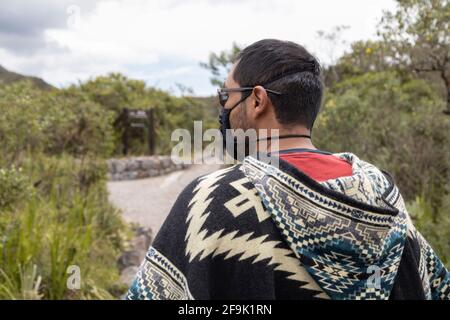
{"x": 320, "y": 167}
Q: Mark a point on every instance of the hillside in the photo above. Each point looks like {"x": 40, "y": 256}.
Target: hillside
{"x": 9, "y": 77}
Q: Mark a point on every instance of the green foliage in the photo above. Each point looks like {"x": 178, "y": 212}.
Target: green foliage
{"x": 381, "y": 104}
{"x": 14, "y": 186}
{"x": 396, "y": 123}
{"x": 20, "y": 125}
{"x": 435, "y": 227}
{"x": 66, "y": 221}
{"x": 393, "y": 122}
{"x": 418, "y": 38}
{"x": 51, "y": 121}
{"x": 54, "y": 209}
{"x": 77, "y": 125}
{"x": 115, "y": 92}
{"x": 418, "y": 32}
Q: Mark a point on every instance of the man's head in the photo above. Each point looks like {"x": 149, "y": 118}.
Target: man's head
{"x": 281, "y": 66}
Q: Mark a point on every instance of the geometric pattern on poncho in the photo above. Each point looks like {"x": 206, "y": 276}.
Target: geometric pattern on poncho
{"x": 350, "y": 252}
{"x": 220, "y": 241}
{"x": 158, "y": 279}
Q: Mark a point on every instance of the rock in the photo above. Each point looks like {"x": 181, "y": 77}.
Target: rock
{"x": 167, "y": 163}
{"x": 168, "y": 170}
{"x": 141, "y": 243}
{"x": 118, "y": 177}
{"x": 142, "y": 175}
{"x": 138, "y": 248}
{"x": 119, "y": 166}
{"x": 111, "y": 166}
{"x": 129, "y": 262}
{"x": 130, "y": 175}
{"x": 145, "y": 235}
{"x": 130, "y": 258}
{"x": 156, "y": 163}
{"x": 141, "y": 167}
{"x": 131, "y": 165}
{"x": 127, "y": 275}
{"x": 147, "y": 164}
{"x": 139, "y": 163}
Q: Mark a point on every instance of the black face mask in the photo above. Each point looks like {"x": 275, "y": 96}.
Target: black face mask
{"x": 232, "y": 148}
{"x": 224, "y": 121}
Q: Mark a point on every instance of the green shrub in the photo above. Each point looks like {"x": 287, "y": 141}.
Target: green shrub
{"x": 66, "y": 221}
{"x": 53, "y": 122}
{"x": 14, "y": 187}
{"x": 76, "y": 125}
{"x": 21, "y": 128}
{"x": 434, "y": 227}
{"x": 393, "y": 122}
{"x": 115, "y": 92}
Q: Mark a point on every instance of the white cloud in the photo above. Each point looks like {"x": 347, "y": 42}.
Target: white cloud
{"x": 167, "y": 39}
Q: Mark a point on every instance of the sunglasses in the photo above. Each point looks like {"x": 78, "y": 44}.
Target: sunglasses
{"x": 223, "y": 93}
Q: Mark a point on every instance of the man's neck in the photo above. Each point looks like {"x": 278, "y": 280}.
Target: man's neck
{"x": 274, "y": 145}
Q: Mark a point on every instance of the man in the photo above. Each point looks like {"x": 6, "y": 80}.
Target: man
{"x": 317, "y": 226}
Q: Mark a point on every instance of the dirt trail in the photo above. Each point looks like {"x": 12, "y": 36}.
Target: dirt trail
{"x": 148, "y": 201}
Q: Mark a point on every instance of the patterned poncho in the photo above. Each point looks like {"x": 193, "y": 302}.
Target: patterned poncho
{"x": 255, "y": 231}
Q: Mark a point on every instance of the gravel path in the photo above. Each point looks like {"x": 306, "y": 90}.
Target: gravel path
{"x": 148, "y": 201}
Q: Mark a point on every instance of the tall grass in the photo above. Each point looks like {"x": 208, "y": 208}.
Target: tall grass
{"x": 66, "y": 220}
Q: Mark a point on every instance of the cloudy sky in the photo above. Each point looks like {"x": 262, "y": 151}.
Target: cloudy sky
{"x": 163, "y": 41}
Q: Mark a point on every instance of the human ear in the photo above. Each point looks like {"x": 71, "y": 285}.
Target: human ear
{"x": 261, "y": 100}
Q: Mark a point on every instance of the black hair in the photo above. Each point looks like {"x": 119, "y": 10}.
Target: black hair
{"x": 286, "y": 67}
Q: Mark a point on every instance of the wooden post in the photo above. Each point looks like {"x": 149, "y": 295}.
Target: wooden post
{"x": 126, "y": 123}
{"x": 151, "y": 131}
